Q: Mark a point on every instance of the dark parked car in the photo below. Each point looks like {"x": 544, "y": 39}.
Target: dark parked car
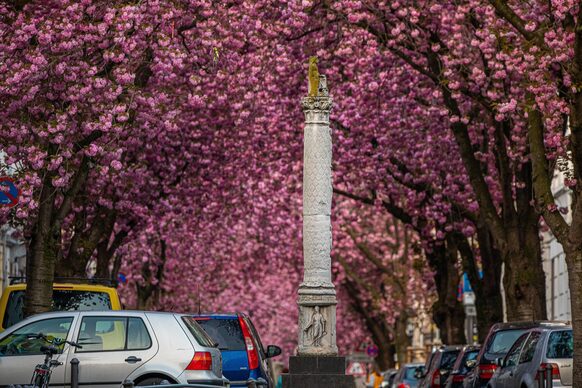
{"x": 464, "y": 364}
{"x": 500, "y": 339}
{"x": 439, "y": 366}
{"x": 243, "y": 356}
{"x": 388, "y": 378}
{"x": 407, "y": 376}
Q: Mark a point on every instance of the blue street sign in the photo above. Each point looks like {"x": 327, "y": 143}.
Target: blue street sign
{"x": 8, "y": 192}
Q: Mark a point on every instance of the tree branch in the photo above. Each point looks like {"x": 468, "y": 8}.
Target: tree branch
{"x": 507, "y": 13}
{"x": 542, "y": 181}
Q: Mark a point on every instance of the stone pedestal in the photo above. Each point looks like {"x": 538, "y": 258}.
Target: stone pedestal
{"x": 317, "y": 372}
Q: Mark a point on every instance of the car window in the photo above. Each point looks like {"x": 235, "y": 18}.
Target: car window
{"x": 18, "y": 343}
{"x": 503, "y": 340}
{"x": 468, "y": 356}
{"x": 63, "y": 300}
{"x": 203, "y": 338}
{"x": 513, "y": 354}
{"x": 448, "y": 359}
{"x": 226, "y": 332}
{"x": 138, "y": 337}
{"x": 560, "y": 344}
{"x": 102, "y": 334}
{"x": 410, "y": 373}
{"x": 529, "y": 349}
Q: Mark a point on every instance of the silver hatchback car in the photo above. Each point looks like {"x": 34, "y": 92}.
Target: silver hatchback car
{"x": 146, "y": 347}
{"x": 551, "y": 347}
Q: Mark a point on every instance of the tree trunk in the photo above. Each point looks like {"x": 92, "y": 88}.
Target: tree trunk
{"x": 42, "y": 255}
{"x": 401, "y": 340}
{"x": 377, "y": 327}
{"x": 574, "y": 261}
{"x": 487, "y": 287}
{"x": 448, "y": 312}
{"x": 41, "y": 259}
{"x": 524, "y": 280}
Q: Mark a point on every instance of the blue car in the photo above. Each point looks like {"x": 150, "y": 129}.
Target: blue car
{"x": 244, "y": 360}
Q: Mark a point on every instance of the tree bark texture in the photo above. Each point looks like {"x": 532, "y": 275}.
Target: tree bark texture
{"x": 41, "y": 255}
{"x": 524, "y": 278}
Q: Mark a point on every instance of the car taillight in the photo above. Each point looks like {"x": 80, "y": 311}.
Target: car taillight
{"x": 252, "y": 351}
{"x": 458, "y": 378}
{"x": 436, "y": 379}
{"x": 486, "y": 371}
{"x": 555, "y": 370}
{"x": 403, "y": 385}
{"x": 200, "y": 361}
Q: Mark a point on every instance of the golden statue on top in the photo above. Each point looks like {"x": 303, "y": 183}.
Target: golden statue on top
{"x": 313, "y": 77}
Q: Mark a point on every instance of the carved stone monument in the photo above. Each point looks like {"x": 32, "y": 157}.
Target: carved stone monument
{"x": 317, "y": 363}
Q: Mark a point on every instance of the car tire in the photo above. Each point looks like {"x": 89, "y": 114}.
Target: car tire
{"x": 153, "y": 381}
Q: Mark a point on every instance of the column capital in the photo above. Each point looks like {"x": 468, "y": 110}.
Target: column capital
{"x": 322, "y": 102}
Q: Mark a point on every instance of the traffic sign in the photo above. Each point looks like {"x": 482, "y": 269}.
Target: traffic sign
{"x": 356, "y": 369}
{"x": 8, "y": 192}
{"x": 372, "y": 350}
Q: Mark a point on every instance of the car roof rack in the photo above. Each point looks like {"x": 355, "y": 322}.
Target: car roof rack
{"x": 74, "y": 280}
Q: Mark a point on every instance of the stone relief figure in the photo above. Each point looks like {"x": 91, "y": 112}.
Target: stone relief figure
{"x": 315, "y": 329}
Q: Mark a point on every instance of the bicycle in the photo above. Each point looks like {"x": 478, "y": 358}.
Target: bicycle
{"x": 42, "y": 372}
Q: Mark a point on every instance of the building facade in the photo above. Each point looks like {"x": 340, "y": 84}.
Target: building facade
{"x": 12, "y": 256}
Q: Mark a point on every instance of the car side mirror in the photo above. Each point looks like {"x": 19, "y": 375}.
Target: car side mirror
{"x": 273, "y": 351}
{"x": 470, "y": 364}
{"x": 500, "y": 362}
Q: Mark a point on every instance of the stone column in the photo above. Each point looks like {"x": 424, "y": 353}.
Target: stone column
{"x": 317, "y": 300}
{"x": 317, "y": 363}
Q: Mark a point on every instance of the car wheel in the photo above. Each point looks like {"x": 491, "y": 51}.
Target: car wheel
{"x": 153, "y": 381}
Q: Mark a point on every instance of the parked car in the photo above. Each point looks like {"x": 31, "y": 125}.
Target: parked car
{"x": 388, "y": 377}
{"x": 549, "y": 347}
{"x": 146, "y": 347}
{"x": 82, "y": 295}
{"x": 439, "y": 366}
{"x": 243, "y": 354}
{"x": 466, "y": 361}
{"x": 500, "y": 339}
{"x": 407, "y": 376}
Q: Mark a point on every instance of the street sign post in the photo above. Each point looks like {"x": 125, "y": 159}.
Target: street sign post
{"x": 372, "y": 351}
{"x": 356, "y": 369}
{"x": 9, "y": 193}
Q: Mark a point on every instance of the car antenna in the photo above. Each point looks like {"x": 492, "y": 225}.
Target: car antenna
{"x": 199, "y": 299}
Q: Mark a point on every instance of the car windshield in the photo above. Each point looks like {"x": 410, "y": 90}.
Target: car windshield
{"x": 560, "y": 345}
{"x": 226, "y": 332}
{"x": 504, "y": 340}
{"x": 63, "y": 300}
{"x": 448, "y": 359}
{"x": 410, "y": 372}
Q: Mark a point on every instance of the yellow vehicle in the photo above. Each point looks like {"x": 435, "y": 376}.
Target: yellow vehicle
{"x": 68, "y": 296}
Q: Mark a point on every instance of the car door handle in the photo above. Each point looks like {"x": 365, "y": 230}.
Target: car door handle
{"x": 132, "y": 359}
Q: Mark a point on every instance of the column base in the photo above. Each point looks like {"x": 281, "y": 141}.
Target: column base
{"x": 317, "y": 372}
